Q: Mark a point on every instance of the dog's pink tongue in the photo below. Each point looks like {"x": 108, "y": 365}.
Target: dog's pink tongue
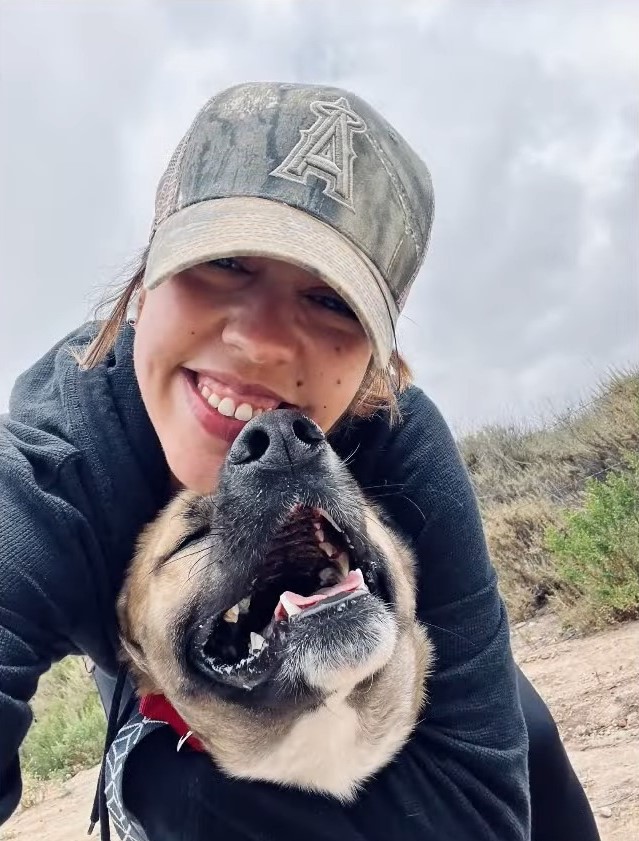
{"x": 289, "y": 600}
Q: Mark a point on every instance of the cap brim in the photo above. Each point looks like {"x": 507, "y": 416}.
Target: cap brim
{"x": 255, "y": 227}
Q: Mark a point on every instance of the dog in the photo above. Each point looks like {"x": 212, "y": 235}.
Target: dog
{"x": 277, "y": 616}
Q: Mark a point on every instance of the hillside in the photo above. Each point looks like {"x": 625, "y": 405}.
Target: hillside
{"x": 530, "y": 481}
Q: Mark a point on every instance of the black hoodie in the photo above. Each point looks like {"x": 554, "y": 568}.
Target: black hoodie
{"x": 82, "y": 470}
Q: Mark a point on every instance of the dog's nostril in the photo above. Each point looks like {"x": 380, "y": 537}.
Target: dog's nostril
{"x": 277, "y": 439}
{"x": 252, "y": 446}
{"x": 307, "y": 432}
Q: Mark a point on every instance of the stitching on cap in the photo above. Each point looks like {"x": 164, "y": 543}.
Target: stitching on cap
{"x": 420, "y": 262}
{"x": 401, "y": 193}
{"x": 396, "y": 252}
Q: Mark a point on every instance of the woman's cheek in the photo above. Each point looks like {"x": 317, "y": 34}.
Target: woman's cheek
{"x": 337, "y": 386}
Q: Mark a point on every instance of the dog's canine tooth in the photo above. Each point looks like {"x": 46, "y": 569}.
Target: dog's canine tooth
{"x": 328, "y": 517}
{"x": 290, "y": 608}
{"x": 232, "y": 614}
{"x": 328, "y": 549}
{"x": 342, "y": 561}
{"x": 257, "y": 643}
{"x": 319, "y": 534}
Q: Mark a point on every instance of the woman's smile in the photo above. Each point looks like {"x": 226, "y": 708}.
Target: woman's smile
{"x": 223, "y": 410}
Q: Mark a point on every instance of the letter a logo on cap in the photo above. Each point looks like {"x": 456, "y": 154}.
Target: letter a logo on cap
{"x": 326, "y": 151}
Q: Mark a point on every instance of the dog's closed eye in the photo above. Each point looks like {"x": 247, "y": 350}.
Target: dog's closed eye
{"x": 185, "y": 542}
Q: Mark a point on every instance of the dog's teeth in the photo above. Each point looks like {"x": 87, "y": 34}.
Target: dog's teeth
{"x": 319, "y": 534}
{"x": 317, "y": 525}
{"x": 360, "y": 575}
{"x": 232, "y": 614}
{"x": 257, "y": 642}
{"x": 328, "y": 549}
{"x": 290, "y": 608}
{"x": 328, "y": 517}
{"x": 342, "y": 561}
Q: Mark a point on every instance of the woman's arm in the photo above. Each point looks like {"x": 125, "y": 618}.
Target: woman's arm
{"x": 472, "y": 741}
{"x": 48, "y": 594}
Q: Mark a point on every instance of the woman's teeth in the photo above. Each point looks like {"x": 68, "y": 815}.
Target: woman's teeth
{"x": 228, "y": 407}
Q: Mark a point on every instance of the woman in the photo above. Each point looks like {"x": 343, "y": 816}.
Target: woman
{"x": 289, "y": 227}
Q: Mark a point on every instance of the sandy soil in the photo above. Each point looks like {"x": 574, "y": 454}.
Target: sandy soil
{"x": 590, "y": 684}
{"x": 592, "y": 688}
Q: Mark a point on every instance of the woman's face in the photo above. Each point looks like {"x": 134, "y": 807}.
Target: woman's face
{"x": 225, "y": 340}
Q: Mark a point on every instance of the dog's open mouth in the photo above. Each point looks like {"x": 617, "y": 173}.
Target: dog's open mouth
{"x": 310, "y": 567}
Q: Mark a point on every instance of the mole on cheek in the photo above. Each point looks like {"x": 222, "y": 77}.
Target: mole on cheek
{"x": 338, "y": 349}
{"x": 300, "y": 383}
{"x": 193, "y": 332}
{"x": 339, "y": 382}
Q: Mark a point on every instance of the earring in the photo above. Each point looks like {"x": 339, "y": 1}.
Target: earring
{"x": 133, "y": 309}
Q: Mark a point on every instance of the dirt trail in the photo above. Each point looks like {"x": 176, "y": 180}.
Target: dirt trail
{"x": 591, "y": 686}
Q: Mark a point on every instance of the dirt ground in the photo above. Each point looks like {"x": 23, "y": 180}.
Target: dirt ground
{"x": 592, "y": 688}
{"x": 591, "y": 685}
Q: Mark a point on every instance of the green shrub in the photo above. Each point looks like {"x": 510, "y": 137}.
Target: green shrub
{"x": 69, "y": 724}
{"x": 597, "y": 549}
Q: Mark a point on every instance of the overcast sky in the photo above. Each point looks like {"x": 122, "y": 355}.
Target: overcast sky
{"x": 526, "y": 113}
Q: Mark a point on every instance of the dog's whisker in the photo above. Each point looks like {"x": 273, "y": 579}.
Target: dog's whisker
{"x": 348, "y": 459}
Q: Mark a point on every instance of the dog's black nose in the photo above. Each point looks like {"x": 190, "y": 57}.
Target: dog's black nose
{"x": 277, "y": 439}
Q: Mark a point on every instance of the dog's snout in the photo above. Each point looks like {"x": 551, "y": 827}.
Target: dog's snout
{"x": 277, "y": 439}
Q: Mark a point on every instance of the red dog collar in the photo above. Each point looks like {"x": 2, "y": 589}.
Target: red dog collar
{"x": 157, "y": 708}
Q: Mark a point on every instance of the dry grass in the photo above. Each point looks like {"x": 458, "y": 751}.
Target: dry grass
{"x": 515, "y": 532}
{"x": 526, "y": 480}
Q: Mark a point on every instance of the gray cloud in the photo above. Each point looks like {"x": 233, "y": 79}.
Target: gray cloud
{"x": 526, "y": 116}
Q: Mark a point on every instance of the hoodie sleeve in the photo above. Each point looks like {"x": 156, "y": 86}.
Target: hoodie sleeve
{"x": 48, "y": 592}
{"x": 472, "y": 742}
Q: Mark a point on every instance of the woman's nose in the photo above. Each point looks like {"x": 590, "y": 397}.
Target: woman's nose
{"x": 262, "y": 330}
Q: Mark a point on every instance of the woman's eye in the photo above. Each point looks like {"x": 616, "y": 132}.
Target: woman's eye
{"x": 229, "y": 264}
{"x": 330, "y": 302}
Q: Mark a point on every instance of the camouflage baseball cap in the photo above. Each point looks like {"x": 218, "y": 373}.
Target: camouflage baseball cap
{"x": 303, "y": 173}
